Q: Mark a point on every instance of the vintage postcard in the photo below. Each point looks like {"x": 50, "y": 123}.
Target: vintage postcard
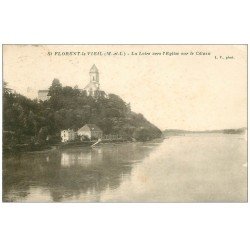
{"x": 124, "y": 123}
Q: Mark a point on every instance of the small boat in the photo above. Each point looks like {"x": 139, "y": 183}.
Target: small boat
{"x": 98, "y": 141}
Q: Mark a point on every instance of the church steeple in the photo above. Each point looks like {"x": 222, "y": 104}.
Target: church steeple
{"x": 93, "y": 87}
{"x": 94, "y": 75}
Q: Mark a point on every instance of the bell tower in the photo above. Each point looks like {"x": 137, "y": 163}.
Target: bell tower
{"x": 93, "y": 88}
{"x": 94, "y": 75}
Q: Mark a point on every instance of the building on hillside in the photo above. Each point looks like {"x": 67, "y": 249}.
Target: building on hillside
{"x": 93, "y": 87}
{"x": 68, "y": 135}
{"x": 43, "y": 95}
{"x": 90, "y": 131}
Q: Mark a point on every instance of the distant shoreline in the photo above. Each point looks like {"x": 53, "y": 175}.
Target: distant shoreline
{"x": 169, "y": 132}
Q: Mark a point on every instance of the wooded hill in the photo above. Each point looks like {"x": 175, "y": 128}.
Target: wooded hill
{"x": 26, "y": 120}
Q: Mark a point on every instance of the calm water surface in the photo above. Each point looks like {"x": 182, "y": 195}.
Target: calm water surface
{"x": 193, "y": 168}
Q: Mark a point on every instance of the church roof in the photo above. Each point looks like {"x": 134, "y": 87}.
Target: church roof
{"x": 93, "y": 69}
{"x": 92, "y": 86}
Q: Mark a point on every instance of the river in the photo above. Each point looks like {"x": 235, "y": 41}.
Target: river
{"x": 191, "y": 168}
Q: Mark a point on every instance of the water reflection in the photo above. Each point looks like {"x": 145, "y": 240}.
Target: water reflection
{"x": 84, "y": 159}
{"x": 195, "y": 168}
{"x": 205, "y": 168}
{"x": 77, "y": 174}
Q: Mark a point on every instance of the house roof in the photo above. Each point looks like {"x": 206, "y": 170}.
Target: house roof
{"x": 91, "y": 127}
{"x": 68, "y": 130}
{"x": 93, "y": 69}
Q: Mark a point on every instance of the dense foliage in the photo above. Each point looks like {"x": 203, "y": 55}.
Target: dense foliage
{"x": 26, "y": 120}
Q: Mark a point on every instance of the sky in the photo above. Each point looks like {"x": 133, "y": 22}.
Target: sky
{"x": 199, "y": 91}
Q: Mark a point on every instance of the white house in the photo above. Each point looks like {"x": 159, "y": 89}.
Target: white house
{"x": 43, "y": 95}
{"x": 68, "y": 135}
{"x": 90, "y": 131}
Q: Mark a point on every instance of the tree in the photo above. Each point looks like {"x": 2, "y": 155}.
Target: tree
{"x": 71, "y": 108}
{"x": 55, "y": 88}
{"x": 42, "y": 135}
{"x": 142, "y": 134}
{"x": 6, "y": 90}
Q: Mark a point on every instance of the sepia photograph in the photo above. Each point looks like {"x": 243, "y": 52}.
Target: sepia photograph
{"x": 124, "y": 123}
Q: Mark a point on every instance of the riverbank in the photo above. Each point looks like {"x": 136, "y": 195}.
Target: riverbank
{"x": 25, "y": 148}
{"x": 18, "y": 148}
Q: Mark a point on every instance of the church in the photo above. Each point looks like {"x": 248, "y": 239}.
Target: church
{"x": 92, "y": 88}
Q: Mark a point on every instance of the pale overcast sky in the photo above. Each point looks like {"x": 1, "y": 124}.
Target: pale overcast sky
{"x": 175, "y": 92}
